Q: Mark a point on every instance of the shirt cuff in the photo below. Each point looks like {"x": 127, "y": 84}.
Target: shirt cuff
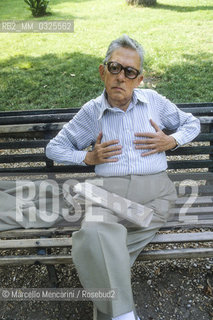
{"x": 79, "y": 158}
{"x": 177, "y": 141}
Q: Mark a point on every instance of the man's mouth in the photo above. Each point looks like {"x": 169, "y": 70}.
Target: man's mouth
{"x": 118, "y": 88}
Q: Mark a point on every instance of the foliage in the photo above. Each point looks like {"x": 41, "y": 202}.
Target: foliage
{"x": 38, "y": 7}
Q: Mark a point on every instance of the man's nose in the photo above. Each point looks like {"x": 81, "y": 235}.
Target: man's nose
{"x": 121, "y": 76}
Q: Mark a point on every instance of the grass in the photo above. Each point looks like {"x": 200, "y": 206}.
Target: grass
{"x": 61, "y": 70}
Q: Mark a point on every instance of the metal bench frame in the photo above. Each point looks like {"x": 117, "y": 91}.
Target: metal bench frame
{"x": 28, "y": 132}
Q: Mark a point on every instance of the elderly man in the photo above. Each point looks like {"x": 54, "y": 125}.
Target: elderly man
{"x": 124, "y": 125}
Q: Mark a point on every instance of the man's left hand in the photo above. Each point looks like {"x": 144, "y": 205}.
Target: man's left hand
{"x": 156, "y": 142}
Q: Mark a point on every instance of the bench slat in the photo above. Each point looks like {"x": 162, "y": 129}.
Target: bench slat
{"x": 30, "y": 233}
{"x": 55, "y": 127}
{"x": 204, "y": 137}
{"x": 50, "y": 111}
{"x": 190, "y": 220}
{"x": 192, "y": 210}
{"x": 25, "y": 119}
{"x": 183, "y": 237}
{"x": 144, "y": 256}
{"x": 190, "y": 253}
{"x": 67, "y": 242}
{"x": 36, "y": 243}
{"x": 187, "y": 164}
{"x": 176, "y": 177}
{"x": 16, "y": 158}
{"x": 66, "y": 116}
{"x": 26, "y": 233}
{"x": 40, "y": 157}
{"x": 194, "y": 105}
{"x": 42, "y": 170}
{"x": 42, "y": 143}
{"x": 199, "y": 200}
{"x": 180, "y": 176}
{"x": 191, "y": 150}
{"x": 184, "y": 106}
{"x": 206, "y": 120}
{"x": 190, "y": 164}
{"x": 23, "y": 144}
{"x": 189, "y": 224}
{"x": 199, "y": 111}
{"x": 35, "y": 259}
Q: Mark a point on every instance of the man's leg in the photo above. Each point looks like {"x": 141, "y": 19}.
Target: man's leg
{"x": 106, "y": 248}
{"x": 102, "y": 260}
{"x": 108, "y": 240}
{"x": 138, "y": 238}
{"x": 160, "y": 191}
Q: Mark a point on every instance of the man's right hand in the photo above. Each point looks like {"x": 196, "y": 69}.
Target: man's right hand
{"x": 103, "y": 151}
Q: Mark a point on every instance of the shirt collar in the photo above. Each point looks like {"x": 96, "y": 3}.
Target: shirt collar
{"x": 138, "y": 95}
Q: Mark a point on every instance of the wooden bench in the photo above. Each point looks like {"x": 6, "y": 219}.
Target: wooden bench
{"x": 23, "y": 137}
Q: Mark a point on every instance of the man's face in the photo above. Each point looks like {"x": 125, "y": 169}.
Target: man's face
{"x": 118, "y": 87}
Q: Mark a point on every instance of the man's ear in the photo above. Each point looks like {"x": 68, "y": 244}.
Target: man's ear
{"x": 140, "y": 78}
{"x": 102, "y": 71}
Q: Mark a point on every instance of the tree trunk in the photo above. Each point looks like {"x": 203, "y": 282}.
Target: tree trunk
{"x": 147, "y": 3}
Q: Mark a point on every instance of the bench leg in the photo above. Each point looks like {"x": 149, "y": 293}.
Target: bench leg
{"x": 94, "y": 312}
{"x": 53, "y": 279}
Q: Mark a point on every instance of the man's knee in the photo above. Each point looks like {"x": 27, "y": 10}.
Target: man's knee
{"x": 85, "y": 236}
{"x": 93, "y": 235}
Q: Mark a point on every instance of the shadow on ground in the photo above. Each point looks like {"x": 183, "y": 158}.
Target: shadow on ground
{"x": 182, "y": 8}
{"x": 49, "y": 81}
{"x": 70, "y": 80}
{"x": 187, "y": 81}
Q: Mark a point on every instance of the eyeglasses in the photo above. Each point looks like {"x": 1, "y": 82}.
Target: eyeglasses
{"x": 115, "y": 68}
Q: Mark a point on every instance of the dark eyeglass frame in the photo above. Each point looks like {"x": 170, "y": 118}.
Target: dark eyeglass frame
{"x": 126, "y": 69}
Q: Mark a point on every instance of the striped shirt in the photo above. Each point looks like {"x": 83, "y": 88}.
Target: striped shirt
{"x": 97, "y": 115}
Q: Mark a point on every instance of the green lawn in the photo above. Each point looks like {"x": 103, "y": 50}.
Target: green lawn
{"x": 61, "y": 70}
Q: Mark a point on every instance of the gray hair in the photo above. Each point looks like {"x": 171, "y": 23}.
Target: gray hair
{"x": 125, "y": 42}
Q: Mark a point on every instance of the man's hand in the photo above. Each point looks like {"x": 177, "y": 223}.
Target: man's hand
{"x": 156, "y": 142}
{"x": 102, "y": 152}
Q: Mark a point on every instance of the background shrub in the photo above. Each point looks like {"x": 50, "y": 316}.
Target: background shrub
{"x": 38, "y": 7}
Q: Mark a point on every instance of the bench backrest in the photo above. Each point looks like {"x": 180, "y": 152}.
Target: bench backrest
{"x": 25, "y": 134}
{"x": 28, "y": 132}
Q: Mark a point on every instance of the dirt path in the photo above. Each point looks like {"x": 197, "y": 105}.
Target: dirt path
{"x": 176, "y": 290}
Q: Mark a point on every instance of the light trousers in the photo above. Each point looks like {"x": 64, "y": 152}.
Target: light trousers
{"x": 104, "y": 251}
